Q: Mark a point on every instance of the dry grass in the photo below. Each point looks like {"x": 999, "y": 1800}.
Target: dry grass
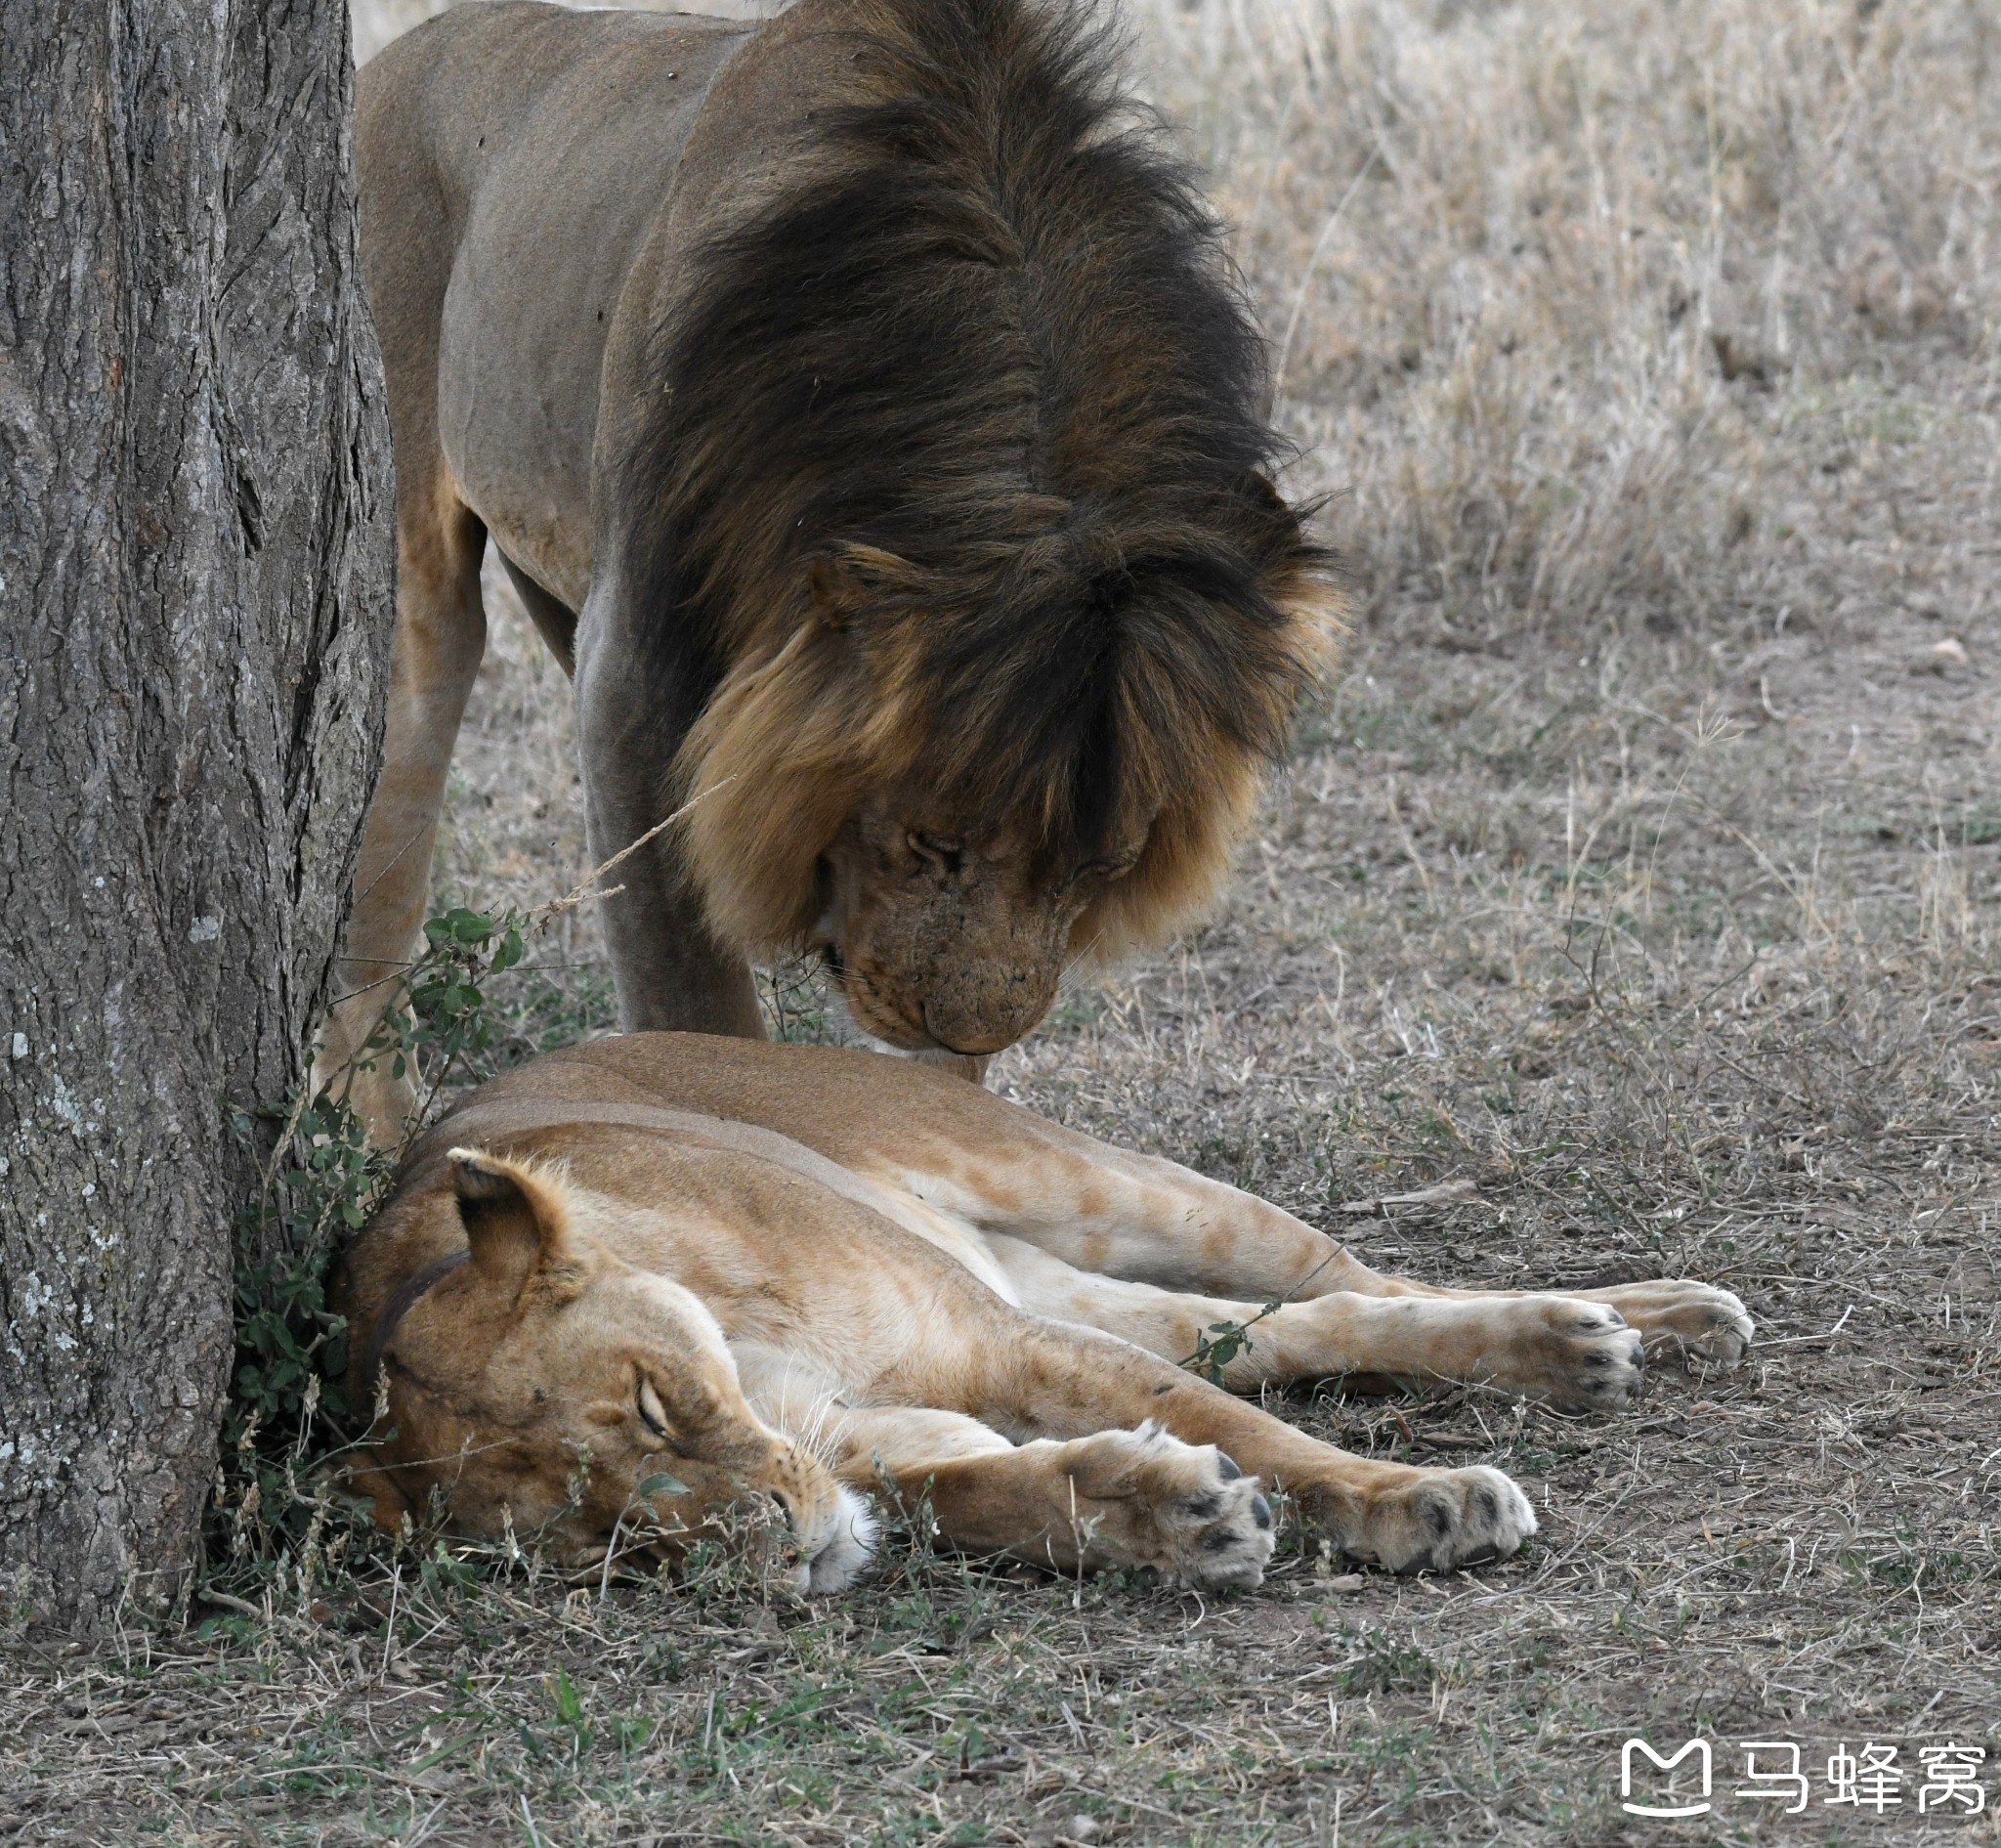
{"x": 1557, "y": 287}
{"x": 1645, "y": 868}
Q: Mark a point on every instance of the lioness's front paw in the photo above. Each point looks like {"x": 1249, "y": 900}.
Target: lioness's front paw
{"x": 1146, "y": 1499}
{"x": 1439, "y": 1519}
{"x": 1578, "y": 1354}
{"x": 1672, "y": 1316}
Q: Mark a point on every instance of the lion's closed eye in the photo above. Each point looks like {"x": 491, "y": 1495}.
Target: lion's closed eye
{"x": 653, "y": 1414}
{"x": 936, "y": 851}
{"x": 1103, "y": 871}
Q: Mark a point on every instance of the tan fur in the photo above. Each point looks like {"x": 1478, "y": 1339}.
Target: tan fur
{"x": 834, "y": 1269}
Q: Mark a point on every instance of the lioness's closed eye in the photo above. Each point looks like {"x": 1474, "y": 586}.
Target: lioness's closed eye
{"x": 630, "y": 1284}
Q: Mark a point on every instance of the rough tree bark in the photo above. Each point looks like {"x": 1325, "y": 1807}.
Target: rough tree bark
{"x": 195, "y": 600}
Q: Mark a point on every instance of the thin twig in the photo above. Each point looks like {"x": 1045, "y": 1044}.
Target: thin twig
{"x": 1241, "y": 1331}
{"x": 1333, "y": 218}
{"x": 1796, "y": 1341}
{"x": 542, "y": 913}
{"x": 1460, "y": 1192}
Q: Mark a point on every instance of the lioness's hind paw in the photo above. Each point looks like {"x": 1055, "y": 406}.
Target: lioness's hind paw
{"x": 1698, "y": 1322}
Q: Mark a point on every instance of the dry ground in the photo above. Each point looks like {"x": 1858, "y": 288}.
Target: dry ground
{"x": 1645, "y": 868}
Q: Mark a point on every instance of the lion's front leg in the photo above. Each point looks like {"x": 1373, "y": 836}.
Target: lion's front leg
{"x": 440, "y": 637}
{"x": 673, "y": 972}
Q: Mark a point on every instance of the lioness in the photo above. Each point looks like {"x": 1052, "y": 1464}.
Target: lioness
{"x": 867, "y": 415}
{"x": 804, "y": 1271}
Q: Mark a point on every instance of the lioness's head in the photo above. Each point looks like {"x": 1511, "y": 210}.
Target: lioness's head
{"x": 544, "y": 1386}
{"x": 966, "y": 513}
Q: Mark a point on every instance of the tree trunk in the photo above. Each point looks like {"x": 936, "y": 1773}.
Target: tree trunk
{"x": 194, "y": 604}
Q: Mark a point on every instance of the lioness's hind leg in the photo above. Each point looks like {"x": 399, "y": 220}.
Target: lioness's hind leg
{"x": 1138, "y": 1497}
{"x": 1578, "y": 1354}
{"x": 1140, "y": 1219}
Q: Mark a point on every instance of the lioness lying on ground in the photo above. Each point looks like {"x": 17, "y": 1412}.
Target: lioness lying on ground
{"x": 797, "y": 1271}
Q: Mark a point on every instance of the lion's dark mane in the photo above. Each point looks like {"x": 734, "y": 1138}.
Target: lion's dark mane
{"x": 990, "y": 334}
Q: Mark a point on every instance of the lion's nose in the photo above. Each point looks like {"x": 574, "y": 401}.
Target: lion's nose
{"x": 991, "y": 1019}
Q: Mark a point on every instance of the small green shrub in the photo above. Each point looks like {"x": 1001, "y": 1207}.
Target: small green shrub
{"x": 289, "y": 1418}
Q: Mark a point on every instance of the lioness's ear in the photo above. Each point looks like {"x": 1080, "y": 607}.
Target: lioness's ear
{"x": 513, "y": 1219}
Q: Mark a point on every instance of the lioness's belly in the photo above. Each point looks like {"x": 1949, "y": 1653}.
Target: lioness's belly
{"x": 563, "y": 201}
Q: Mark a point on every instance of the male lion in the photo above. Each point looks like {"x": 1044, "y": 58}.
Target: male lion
{"x": 867, "y": 415}
{"x": 799, "y": 1269}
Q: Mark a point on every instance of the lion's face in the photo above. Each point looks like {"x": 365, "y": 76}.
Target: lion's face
{"x": 943, "y": 936}
{"x": 604, "y": 1397}
{"x": 949, "y": 807}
